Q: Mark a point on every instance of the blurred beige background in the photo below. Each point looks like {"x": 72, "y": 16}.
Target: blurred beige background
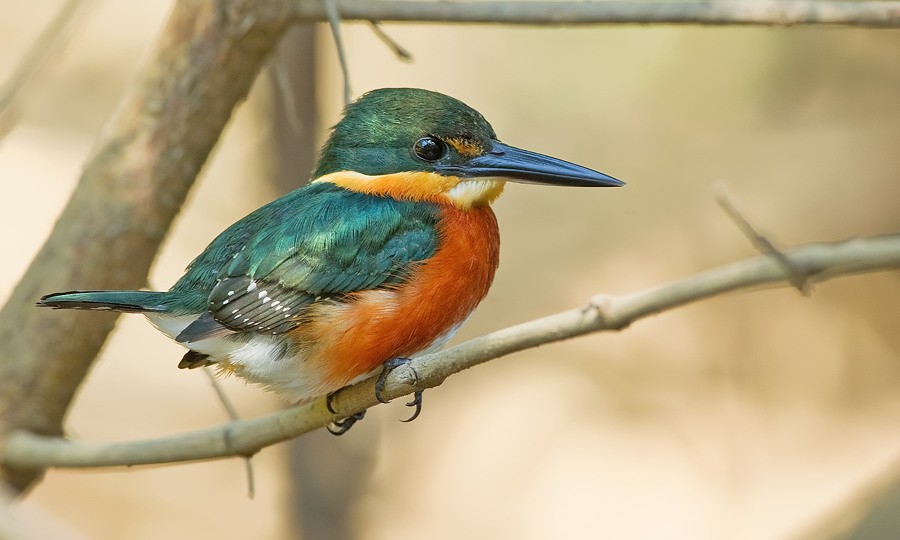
{"x": 746, "y": 416}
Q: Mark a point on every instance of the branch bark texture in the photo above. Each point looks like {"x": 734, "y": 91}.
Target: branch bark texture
{"x": 246, "y": 437}
{"x": 876, "y": 14}
{"x": 132, "y": 187}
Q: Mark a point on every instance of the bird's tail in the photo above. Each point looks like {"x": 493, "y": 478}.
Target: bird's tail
{"x": 125, "y": 301}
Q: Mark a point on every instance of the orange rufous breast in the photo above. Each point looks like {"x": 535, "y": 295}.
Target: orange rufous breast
{"x": 345, "y": 340}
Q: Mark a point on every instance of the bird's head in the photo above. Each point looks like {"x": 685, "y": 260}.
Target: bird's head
{"x": 416, "y": 144}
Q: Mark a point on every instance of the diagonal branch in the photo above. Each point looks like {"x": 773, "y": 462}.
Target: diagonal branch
{"x": 232, "y": 413}
{"x": 130, "y": 190}
{"x": 334, "y": 21}
{"x": 246, "y": 437}
{"x": 875, "y": 14}
{"x": 50, "y": 40}
{"x": 760, "y": 241}
{"x": 401, "y": 52}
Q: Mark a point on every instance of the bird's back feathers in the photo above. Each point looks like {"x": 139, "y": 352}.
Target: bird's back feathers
{"x": 320, "y": 242}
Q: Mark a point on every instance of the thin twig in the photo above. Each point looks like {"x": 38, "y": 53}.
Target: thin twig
{"x": 233, "y": 415}
{"x": 334, "y": 20}
{"x": 401, "y": 52}
{"x": 47, "y": 42}
{"x": 286, "y": 94}
{"x": 727, "y": 201}
{"x": 246, "y": 437}
{"x": 873, "y": 14}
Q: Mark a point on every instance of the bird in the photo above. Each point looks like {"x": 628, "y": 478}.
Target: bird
{"x": 381, "y": 257}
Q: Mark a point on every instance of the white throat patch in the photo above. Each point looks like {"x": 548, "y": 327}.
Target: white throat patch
{"x": 476, "y": 192}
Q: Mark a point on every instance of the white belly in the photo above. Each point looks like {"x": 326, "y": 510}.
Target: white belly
{"x": 265, "y": 359}
{"x": 262, "y": 359}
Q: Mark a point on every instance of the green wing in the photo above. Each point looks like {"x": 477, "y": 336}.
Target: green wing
{"x": 315, "y": 243}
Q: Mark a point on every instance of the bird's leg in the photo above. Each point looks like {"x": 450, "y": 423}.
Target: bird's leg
{"x": 339, "y": 427}
{"x": 390, "y": 366}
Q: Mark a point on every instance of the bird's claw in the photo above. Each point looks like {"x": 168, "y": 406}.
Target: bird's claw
{"x": 417, "y": 403}
{"x": 390, "y": 366}
{"x": 339, "y": 427}
{"x": 328, "y": 405}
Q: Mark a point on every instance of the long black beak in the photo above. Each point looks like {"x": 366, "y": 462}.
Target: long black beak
{"x": 519, "y": 165}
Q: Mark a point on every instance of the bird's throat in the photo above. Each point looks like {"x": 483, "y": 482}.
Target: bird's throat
{"x": 463, "y": 193}
{"x": 476, "y": 192}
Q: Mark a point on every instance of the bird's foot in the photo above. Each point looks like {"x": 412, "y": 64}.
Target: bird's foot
{"x": 390, "y": 366}
{"x": 339, "y": 427}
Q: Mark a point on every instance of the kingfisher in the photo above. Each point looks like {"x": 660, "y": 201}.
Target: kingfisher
{"x": 381, "y": 257}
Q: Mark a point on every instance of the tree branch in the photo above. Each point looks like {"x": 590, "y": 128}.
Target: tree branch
{"x": 760, "y": 241}
{"x": 132, "y": 187}
{"x": 875, "y": 14}
{"x": 246, "y": 437}
{"x": 334, "y": 21}
{"x": 56, "y": 32}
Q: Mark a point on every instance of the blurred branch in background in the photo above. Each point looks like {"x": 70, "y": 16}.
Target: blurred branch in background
{"x": 233, "y": 415}
{"x": 328, "y": 474}
{"x": 334, "y": 21}
{"x": 761, "y": 242}
{"x": 876, "y": 14}
{"x": 131, "y": 189}
{"x": 868, "y": 513}
{"x": 246, "y": 437}
{"x": 49, "y": 41}
{"x": 399, "y": 51}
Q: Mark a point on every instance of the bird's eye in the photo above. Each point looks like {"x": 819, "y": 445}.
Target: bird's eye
{"x": 429, "y": 148}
